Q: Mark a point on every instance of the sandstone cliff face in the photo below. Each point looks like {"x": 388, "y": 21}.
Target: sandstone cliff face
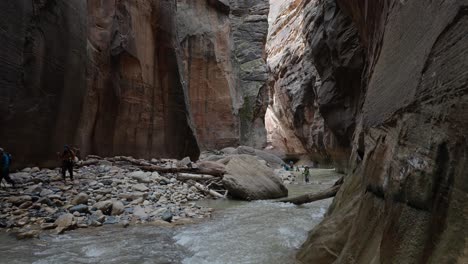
{"x": 316, "y": 63}
{"x": 43, "y": 76}
{"x": 224, "y": 69}
{"x": 103, "y": 75}
{"x": 405, "y": 198}
{"x": 136, "y": 103}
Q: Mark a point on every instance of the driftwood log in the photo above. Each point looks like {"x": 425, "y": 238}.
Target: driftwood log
{"x": 206, "y": 190}
{"x": 146, "y": 166}
{"x": 196, "y": 177}
{"x": 312, "y": 197}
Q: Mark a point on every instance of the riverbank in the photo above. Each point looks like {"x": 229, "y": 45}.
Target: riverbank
{"x": 105, "y": 193}
{"x": 126, "y": 191}
{"x": 236, "y": 232}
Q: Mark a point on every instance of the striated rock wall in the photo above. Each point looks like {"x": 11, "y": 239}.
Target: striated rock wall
{"x": 224, "y": 69}
{"x": 316, "y": 63}
{"x": 136, "y": 103}
{"x": 405, "y": 198}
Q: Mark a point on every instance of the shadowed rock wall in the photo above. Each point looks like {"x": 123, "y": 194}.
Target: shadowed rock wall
{"x": 405, "y": 198}
{"x": 43, "y": 76}
{"x": 316, "y": 62}
{"x": 103, "y": 75}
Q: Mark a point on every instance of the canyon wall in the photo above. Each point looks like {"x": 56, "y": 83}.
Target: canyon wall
{"x": 224, "y": 69}
{"x": 404, "y": 199}
{"x": 316, "y": 63}
{"x": 147, "y": 78}
{"x": 43, "y": 76}
{"x": 103, "y": 75}
{"x": 136, "y": 103}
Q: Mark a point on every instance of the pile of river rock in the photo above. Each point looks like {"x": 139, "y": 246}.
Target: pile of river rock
{"x": 101, "y": 194}
{"x": 107, "y": 193}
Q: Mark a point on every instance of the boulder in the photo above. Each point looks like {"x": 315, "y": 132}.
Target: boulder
{"x": 64, "y": 222}
{"x": 118, "y": 208}
{"x": 185, "y": 162}
{"x": 104, "y": 206}
{"x": 140, "y": 176}
{"x": 139, "y": 211}
{"x": 140, "y": 187}
{"x": 81, "y": 198}
{"x": 167, "y": 216}
{"x": 46, "y": 192}
{"x": 80, "y": 208}
{"x": 247, "y": 178}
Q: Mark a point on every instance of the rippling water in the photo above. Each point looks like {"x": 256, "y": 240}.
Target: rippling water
{"x": 239, "y": 232}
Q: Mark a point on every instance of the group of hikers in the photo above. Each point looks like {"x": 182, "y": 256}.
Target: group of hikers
{"x": 67, "y": 157}
{"x": 305, "y": 172}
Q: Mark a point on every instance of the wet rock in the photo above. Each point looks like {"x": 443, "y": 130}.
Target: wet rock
{"x": 117, "y": 208}
{"x": 81, "y": 198}
{"x": 167, "y": 216}
{"x": 81, "y": 208}
{"x": 64, "y": 222}
{"x": 248, "y": 179}
{"x": 125, "y": 223}
{"x": 28, "y": 234}
{"x": 111, "y": 220}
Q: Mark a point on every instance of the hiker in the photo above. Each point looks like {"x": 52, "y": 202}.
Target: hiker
{"x": 291, "y": 165}
{"x": 68, "y": 159}
{"x": 306, "y": 173}
{"x": 5, "y": 163}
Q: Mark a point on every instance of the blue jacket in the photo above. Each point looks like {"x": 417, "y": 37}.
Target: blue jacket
{"x": 6, "y": 161}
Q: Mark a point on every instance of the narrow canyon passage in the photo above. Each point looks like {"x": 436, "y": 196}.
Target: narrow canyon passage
{"x": 181, "y": 120}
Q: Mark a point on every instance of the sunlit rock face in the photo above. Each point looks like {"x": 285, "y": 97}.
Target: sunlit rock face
{"x": 136, "y": 103}
{"x": 315, "y": 63}
{"x": 404, "y": 200}
{"x": 224, "y": 69}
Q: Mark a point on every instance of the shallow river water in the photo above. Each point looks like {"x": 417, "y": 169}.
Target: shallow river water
{"x": 239, "y": 232}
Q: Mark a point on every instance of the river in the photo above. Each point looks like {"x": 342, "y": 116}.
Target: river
{"x": 239, "y": 232}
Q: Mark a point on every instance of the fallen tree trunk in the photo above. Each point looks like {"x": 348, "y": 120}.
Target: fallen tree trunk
{"x": 312, "y": 197}
{"x": 215, "y": 173}
{"x": 196, "y": 177}
{"x": 206, "y": 190}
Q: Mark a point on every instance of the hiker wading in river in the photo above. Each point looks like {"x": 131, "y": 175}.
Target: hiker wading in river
{"x": 5, "y": 163}
{"x": 68, "y": 159}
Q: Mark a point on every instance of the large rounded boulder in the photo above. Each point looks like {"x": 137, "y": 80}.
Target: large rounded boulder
{"x": 248, "y": 178}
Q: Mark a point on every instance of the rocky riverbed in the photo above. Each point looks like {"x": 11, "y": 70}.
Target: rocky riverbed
{"x": 101, "y": 194}
{"x": 107, "y": 192}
